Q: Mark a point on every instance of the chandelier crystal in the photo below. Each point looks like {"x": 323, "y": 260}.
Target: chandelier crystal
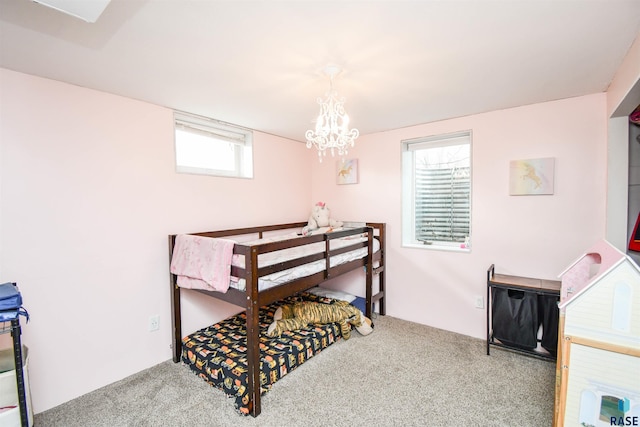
{"x": 332, "y": 125}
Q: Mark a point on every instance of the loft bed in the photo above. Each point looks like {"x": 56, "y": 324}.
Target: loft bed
{"x": 330, "y": 254}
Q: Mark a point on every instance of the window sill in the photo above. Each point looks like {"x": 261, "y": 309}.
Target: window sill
{"x": 436, "y": 247}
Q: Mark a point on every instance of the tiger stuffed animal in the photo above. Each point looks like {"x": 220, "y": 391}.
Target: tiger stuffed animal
{"x": 299, "y": 315}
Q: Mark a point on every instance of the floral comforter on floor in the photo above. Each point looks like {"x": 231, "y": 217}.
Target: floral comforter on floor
{"x": 218, "y": 353}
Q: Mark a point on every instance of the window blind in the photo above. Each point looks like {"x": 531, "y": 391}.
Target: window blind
{"x": 442, "y": 204}
{"x": 210, "y": 127}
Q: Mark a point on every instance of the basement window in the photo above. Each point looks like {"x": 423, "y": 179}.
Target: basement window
{"x": 206, "y": 146}
{"x": 436, "y": 192}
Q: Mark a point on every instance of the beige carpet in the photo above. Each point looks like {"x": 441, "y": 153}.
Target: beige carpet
{"x": 403, "y": 374}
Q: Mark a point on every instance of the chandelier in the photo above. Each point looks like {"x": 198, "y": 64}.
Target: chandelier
{"x": 332, "y": 125}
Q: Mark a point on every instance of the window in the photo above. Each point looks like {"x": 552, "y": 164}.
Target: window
{"x": 610, "y": 408}
{"x": 436, "y": 191}
{"x": 208, "y": 147}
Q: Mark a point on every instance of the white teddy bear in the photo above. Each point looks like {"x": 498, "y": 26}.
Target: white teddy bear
{"x": 320, "y": 217}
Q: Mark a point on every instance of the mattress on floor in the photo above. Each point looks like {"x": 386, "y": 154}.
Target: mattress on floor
{"x": 218, "y": 353}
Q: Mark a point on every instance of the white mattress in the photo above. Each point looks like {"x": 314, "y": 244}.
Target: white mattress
{"x": 275, "y": 257}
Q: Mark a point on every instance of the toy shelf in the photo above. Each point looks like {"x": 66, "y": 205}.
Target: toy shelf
{"x": 13, "y": 326}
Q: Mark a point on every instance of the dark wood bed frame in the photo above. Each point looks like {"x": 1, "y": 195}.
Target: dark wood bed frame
{"x": 252, "y": 300}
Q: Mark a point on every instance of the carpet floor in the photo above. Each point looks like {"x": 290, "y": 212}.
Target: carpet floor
{"x": 403, "y": 374}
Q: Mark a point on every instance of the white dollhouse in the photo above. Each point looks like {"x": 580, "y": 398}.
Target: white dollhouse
{"x": 598, "y": 371}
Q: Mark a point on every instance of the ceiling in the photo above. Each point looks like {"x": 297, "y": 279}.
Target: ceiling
{"x": 259, "y": 64}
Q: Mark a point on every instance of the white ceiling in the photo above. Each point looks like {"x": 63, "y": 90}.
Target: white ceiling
{"x": 259, "y": 64}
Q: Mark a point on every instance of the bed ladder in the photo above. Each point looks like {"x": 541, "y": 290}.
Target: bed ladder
{"x": 379, "y": 297}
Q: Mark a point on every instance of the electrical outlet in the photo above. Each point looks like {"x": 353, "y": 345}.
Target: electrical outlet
{"x": 479, "y": 301}
{"x": 154, "y": 323}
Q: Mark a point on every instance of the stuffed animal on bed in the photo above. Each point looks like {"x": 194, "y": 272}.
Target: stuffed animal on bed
{"x": 320, "y": 217}
{"x": 297, "y": 316}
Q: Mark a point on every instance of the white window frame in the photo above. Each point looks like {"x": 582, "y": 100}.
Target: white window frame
{"x": 409, "y": 147}
{"x": 239, "y": 139}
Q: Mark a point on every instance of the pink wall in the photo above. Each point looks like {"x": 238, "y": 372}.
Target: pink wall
{"x": 536, "y": 236}
{"x": 88, "y": 197}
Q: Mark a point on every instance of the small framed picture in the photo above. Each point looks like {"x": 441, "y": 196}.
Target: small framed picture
{"x": 531, "y": 176}
{"x": 347, "y": 171}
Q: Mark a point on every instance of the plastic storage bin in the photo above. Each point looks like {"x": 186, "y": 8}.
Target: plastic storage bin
{"x": 9, "y": 390}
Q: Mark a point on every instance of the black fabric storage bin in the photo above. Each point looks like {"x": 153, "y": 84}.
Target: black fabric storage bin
{"x": 515, "y": 318}
{"x": 549, "y": 314}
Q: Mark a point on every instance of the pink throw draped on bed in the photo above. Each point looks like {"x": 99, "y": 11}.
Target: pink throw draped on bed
{"x": 202, "y": 262}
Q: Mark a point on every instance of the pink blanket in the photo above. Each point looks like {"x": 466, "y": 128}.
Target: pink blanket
{"x": 202, "y": 262}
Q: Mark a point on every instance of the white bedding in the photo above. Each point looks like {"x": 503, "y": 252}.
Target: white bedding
{"x": 275, "y": 257}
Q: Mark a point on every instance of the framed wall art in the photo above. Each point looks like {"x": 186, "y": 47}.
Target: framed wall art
{"x": 531, "y": 176}
{"x": 347, "y": 171}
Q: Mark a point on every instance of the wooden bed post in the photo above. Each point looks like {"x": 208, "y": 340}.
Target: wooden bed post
{"x": 369, "y": 274}
{"x": 176, "y": 316}
{"x": 253, "y": 333}
{"x": 383, "y": 264}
